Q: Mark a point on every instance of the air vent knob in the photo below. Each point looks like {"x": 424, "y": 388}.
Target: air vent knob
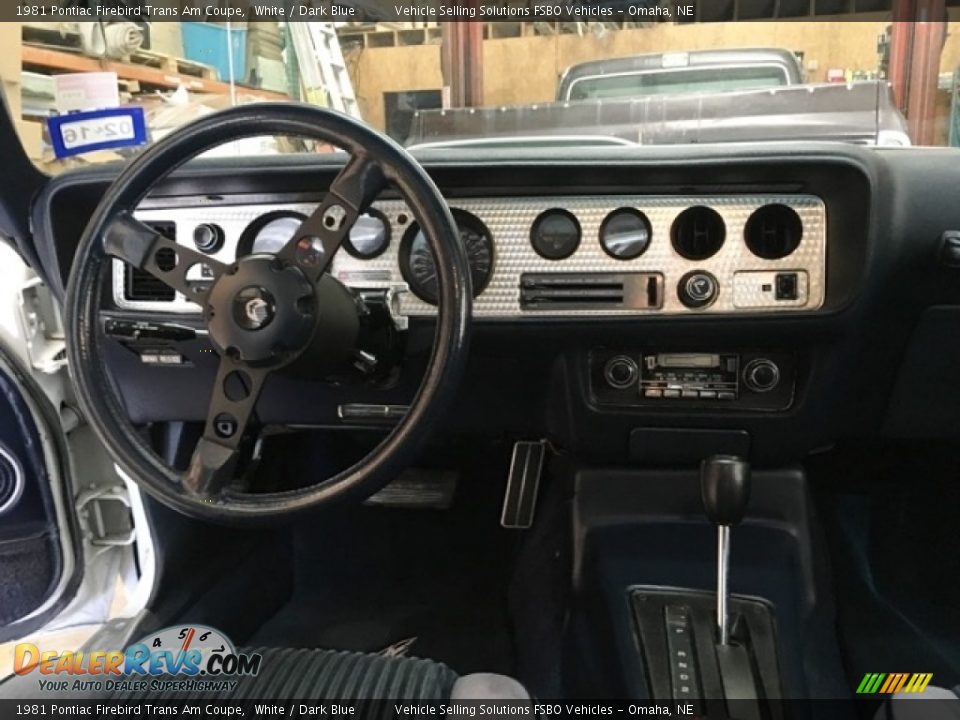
{"x": 697, "y": 289}
{"x": 761, "y": 375}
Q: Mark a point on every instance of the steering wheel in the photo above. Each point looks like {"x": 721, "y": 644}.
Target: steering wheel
{"x": 263, "y": 312}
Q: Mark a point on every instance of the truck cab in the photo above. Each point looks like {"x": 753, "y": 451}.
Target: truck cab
{"x": 680, "y": 72}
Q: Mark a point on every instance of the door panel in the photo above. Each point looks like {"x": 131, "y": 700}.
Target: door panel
{"x": 31, "y": 546}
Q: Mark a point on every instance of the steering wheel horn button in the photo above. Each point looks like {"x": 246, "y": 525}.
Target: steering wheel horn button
{"x": 261, "y": 313}
{"x": 254, "y": 308}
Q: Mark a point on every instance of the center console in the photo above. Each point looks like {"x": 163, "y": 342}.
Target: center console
{"x": 666, "y": 609}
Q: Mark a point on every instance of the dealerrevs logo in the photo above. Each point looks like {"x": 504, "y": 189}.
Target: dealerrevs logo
{"x": 179, "y": 654}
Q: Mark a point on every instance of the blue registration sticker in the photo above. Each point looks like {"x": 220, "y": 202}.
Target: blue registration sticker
{"x": 82, "y": 132}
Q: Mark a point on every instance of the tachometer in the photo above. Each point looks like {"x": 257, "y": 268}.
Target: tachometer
{"x": 420, "y": 270}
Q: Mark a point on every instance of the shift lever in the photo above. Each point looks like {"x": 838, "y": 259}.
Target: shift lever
{"x": 725, "y": 490}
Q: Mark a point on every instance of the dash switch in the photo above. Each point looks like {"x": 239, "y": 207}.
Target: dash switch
{"x": 786, "y": 286}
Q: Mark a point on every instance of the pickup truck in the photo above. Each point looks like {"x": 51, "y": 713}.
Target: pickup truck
{"x": 680, "y": 72}
{"x": 862, "y": 113}
{"x": 728, "y": 95}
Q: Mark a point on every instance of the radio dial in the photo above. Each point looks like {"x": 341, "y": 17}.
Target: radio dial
{"x": 620, "y": 372}
{"x": 761, "y": 375}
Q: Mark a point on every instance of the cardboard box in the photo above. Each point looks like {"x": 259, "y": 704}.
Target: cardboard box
{"x": 10, "y": 52}
{"x": 165, "y": 37}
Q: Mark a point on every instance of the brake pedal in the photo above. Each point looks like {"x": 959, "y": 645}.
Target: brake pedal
{"x": 523, "y": 483}
{"x": 418, "y": 488}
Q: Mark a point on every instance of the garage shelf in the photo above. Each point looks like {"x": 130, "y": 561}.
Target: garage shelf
{"x": 59, "y": 61}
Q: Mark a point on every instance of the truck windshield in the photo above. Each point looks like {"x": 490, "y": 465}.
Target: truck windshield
{"x": 680, "y": 80}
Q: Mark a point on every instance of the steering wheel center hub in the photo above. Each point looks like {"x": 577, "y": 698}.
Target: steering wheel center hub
{"x": 262, "y": 311}
{"x": 254, "y": 308}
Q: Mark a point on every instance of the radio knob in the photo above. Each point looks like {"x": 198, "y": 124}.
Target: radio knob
{"x": 620, "y": 372}
{"x": 761, "y": 375}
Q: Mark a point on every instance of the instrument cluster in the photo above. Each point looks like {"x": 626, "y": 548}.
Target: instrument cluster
{"x": 562, "y": 256}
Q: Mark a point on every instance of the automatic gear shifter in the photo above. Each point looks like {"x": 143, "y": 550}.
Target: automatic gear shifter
{"x": 725, "y": 490}
{"x": 692, "y": 653}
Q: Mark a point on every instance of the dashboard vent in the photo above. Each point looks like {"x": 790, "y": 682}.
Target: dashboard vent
{"x": 586, "y": 291}
{"x": 140, "y": 285}
{"x": 698, "y": 233}
{"x": 773, "y": 231}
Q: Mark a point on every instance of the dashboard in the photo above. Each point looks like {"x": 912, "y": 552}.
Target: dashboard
{"x": 646, "y": 305}
{"x": 560, "y": 256}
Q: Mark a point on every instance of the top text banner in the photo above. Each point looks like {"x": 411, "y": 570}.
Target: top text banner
{"x": 348, "y": 10}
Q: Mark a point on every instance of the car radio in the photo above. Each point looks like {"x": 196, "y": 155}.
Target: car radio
{"x": 762, "y": 381}
{"x": 708, "y": 376}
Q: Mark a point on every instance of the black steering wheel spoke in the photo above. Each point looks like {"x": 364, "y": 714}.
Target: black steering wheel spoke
{"x": 138, "y": 244}
{"x": 318, "y": 238}
{"x": 232, "y": 402}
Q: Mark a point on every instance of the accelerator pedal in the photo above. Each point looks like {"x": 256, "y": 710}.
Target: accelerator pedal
{"x": 523, "y": 484}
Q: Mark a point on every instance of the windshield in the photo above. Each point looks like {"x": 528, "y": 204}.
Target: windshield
{"x": 87, "y": 89}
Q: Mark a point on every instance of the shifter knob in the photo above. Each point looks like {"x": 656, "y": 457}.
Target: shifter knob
{"x": 725, "y": 488}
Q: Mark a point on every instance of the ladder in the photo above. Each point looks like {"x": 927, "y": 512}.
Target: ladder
{"x": 323, "y": 70}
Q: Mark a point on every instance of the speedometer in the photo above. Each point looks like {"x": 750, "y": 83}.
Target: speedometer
{"x": 420, "y": 270}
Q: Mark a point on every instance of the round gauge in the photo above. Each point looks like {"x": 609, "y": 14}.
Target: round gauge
{"x": 269, "y": 233}
{"x": 369, "y": 236}
{"x": 555, "y": 234}
{"x": 625, "y": 234}
{"x": 201, "y": 641}
{"x": 420, "y": 270}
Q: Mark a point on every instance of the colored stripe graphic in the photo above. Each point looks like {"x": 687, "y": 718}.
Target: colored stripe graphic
{"x": 899, "y": 685}
{"x": 892, "y": 679}
{"x": 918, "y": 682}
{"x": 893, "y": 683}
